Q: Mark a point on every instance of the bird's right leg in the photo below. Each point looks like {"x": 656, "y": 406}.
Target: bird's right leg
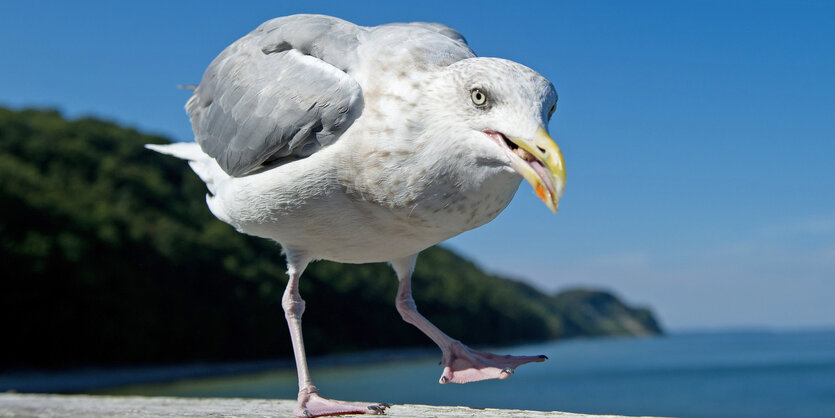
{"x": 462, "y": 364}
{"x": 310, "y": 404}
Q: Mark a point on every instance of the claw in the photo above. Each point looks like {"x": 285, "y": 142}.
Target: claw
{"x": 308, "y": 414}
{"x": 544, "y": 357}
{"x": 507, "y": 370}
{"x": 443, "y": 380}
{"x": 377, "y": 410}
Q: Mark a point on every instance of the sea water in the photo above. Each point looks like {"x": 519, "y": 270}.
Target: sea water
{"x": 739, "y": 374}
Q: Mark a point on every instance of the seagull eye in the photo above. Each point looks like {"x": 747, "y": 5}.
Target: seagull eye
{"x": 479, "y": 98}
{"x": 551, "y": 112}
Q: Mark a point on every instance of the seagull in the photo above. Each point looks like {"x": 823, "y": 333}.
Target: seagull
{"x": 368, "y": 144}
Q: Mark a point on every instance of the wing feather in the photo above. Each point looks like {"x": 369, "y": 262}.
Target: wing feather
{"x": 276, "y": 94}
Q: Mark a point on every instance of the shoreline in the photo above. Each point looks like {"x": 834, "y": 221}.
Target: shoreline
{"x": 93, "y": 378}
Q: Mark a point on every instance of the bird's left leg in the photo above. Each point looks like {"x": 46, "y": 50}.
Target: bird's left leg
{"x": 463, "y": 364}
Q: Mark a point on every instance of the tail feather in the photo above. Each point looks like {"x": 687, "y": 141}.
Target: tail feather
{"x": 182, "y": 150}
{"x": 205, "y": 166}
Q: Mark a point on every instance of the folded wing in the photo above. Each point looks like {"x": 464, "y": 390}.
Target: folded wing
{"x": 280, "y": 92}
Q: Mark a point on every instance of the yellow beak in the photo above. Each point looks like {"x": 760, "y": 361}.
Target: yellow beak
{"x": 542, "y": 166}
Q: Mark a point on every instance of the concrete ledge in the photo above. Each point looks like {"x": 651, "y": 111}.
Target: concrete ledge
{"x": 29, "y": 405}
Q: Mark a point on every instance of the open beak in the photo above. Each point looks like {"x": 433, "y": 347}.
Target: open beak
{"x": 539, "y": 161}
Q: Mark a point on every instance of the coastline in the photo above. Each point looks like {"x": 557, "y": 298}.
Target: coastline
{"x": 100, "y": 378}
{"x": 93, "y": 378}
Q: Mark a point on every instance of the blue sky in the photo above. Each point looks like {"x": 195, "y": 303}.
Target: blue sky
{"x": 698, "y": 136}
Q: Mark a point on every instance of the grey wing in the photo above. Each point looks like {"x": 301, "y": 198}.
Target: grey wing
{"x": 424, "y": 43}
{"x": 436, "y": 27}
{"x": 281, "y": 91}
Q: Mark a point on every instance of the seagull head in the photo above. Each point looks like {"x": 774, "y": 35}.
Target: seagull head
{"x": 501, "y": 109}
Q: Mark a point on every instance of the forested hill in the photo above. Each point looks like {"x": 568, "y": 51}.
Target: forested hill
{"x": 110, "y": 256}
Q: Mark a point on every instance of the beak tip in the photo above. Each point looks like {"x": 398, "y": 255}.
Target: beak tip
{"x": 553, "y": 205}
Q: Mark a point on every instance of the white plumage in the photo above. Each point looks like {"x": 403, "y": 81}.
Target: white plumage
{"x": 362, "y": 145}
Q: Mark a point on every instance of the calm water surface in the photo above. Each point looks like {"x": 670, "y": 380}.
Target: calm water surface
{"x": 686, "y": 375}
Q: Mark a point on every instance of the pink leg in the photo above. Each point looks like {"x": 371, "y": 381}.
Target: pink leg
{"x": 463, "y": 364}
{"x": 310, "y": 404}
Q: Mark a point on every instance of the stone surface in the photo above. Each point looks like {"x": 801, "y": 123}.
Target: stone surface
{"x": 31, "y": 405}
